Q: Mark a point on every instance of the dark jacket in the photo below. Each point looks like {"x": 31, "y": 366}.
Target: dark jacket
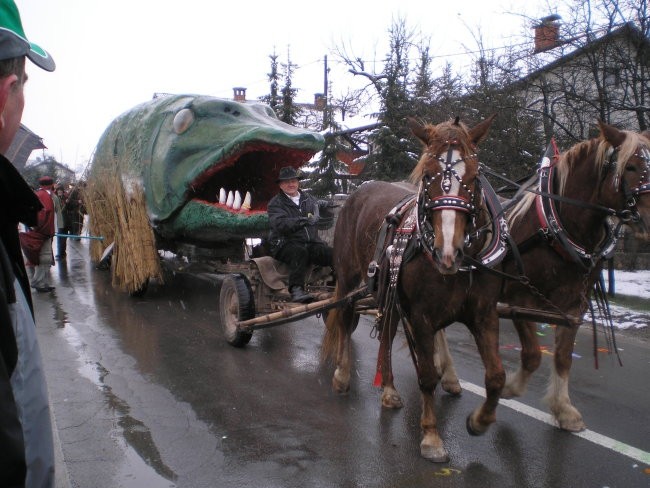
{"x": 18, "y": 203}
{"x": 290, "y": 222}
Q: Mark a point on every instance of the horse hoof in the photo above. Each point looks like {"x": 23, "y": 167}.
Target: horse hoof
{"x": 391, "y": 401}
{"x": 470, "y": 428}
{"x": 434, "y": 454}
{"x": 339, "y": 386}
{"x": 573, "y": 425}
{"x": 507, "y": 393}
{"x": 452, "y": 387}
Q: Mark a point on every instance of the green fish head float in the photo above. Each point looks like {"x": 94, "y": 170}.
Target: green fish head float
{"x": 208, "y": 166}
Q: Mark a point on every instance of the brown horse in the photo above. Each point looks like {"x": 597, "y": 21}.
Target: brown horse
{"x": 563, "y": 245}
{"x": 429, "y": 291}
{"x": 609, "y": 175}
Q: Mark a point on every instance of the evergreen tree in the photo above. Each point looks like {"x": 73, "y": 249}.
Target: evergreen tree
{"x": 272, "y": 99}
{"x": 395, "y": 153}
{"x": 423, "y": 86}
{"x": 288, "y": 111}
{"x": 515, "y": 142}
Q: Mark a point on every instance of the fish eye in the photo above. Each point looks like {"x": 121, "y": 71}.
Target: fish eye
{"x": 183, "y": 120}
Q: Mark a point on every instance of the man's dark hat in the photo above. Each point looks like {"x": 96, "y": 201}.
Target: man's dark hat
{"x": 288, "y": 173}
{"x": 45, "y": 181}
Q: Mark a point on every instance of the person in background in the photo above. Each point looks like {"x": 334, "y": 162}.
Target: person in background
{"x": 294, "y": 240}
{"x": 26, "y": 453}
{"x": 62, "y": 223}
{"x": 74, "y": 210}
{"x": 37, "y": 241}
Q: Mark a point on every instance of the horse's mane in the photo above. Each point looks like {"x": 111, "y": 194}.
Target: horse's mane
{"x": 439, "y": 137}
{"x": 580, "y": 152}
{"x": 604, "y": 150}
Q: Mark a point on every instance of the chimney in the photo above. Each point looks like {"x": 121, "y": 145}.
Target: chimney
{"x": 239, "y": 94}
{"x": 547, "y": 33}
{"x": 319, "y": 101}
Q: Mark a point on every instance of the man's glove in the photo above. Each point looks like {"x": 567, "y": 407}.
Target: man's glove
{"x": 326, "y": 203}
{"x": 312, "y": 220}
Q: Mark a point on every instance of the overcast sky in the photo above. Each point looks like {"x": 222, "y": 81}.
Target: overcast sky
{"x": 114, "y": 54}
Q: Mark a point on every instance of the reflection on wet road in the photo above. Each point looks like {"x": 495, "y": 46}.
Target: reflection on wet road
{"x": 148, "y": 393}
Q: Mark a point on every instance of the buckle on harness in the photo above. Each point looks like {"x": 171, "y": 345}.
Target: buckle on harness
{"x": 372, "y": 269}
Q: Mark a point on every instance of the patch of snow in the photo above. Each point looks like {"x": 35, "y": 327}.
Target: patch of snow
{"x": 631, "y": 284}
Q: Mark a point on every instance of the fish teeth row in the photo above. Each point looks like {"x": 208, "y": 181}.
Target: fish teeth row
{"x": 234, "y": 201}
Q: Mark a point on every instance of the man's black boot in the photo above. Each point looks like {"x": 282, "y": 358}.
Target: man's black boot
{"x": 298, "y": 295}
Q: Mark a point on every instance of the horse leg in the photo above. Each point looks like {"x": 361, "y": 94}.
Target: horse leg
{"x": 486, "y": 335}
{"x": 431, "y": 446}
{"x": 443, "y": 361}
{"x": 567, "y": 416}
{"x": 530, "y": 359}
{"x": 344, "y": 322}
{"x": 390, "y": 397}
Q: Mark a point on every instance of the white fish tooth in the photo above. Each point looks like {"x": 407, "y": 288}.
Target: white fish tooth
{"x": 222, "y": 196}
{"x": 236, "y": 204}
{"x": 247, "y": 201}
{"x": 230, "y": 199}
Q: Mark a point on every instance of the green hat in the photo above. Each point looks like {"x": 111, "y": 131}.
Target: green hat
{"x": 14, "y": 43}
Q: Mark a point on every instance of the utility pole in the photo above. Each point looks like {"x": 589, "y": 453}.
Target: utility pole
{"x": 326, "y": 121}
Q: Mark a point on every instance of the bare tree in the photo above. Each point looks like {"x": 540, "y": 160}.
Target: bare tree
{"x": 598, "y": 70}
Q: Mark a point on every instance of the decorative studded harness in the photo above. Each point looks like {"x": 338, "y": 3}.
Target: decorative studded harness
{"x": 551, "y": 227}
{"x": 407, "y": 229}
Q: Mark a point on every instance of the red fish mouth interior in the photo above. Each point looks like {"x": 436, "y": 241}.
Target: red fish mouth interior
{"x": 255, "y": 170}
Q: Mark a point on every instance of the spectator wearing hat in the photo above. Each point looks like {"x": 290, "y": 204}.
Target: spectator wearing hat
{"x": 26, "y": 447}
{"x": 37, "y": 241}
{"x": 293, "y": 239}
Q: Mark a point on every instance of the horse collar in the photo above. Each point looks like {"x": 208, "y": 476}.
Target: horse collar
{"x": 554, "y": 232}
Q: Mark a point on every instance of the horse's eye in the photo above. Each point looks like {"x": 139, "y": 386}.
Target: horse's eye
{"x": 630, "y": 167}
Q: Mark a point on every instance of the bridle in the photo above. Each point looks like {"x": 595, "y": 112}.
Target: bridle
{"x": 632, "y": 194}
{"x": 458, "y": 203}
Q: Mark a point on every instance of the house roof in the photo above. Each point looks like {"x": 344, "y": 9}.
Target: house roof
{"x": 22, "y": 146}
{"x": 628, "y": 30}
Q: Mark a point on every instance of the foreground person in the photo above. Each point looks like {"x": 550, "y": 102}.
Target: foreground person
{"x": 20, "y": 356}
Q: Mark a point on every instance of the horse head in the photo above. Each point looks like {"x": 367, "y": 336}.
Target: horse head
{"x": 447, "y": 173}
{"x": 629, "y": 155}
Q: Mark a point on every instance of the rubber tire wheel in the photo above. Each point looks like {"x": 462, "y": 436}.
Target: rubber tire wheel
{"x": 236, "y": 303}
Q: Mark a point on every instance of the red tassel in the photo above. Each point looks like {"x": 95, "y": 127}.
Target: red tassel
{"x": 378, "y": 379}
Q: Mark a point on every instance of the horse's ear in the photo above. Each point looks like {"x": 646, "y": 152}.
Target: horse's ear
{"x": 418, "y": 130}
{"x": 611, "y": 134}
{"x": 480, "y": 130}
{"x": 646, "y": 134}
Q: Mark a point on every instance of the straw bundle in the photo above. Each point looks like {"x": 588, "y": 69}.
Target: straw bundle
{"x": 120, "y": 215}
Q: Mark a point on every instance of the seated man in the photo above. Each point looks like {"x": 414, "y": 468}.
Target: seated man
{"x": 294, "y": 240}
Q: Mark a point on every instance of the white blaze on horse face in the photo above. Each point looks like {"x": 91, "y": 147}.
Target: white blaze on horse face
{"x": 449, "y": 217}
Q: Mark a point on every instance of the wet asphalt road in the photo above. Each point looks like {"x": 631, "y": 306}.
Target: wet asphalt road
{"x": 147, "y": 393}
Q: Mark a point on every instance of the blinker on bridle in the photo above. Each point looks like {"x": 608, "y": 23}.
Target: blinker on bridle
{"x": 631, "y": 195}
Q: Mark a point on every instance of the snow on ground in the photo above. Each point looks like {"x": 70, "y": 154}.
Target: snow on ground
{"x": 634, "y": 287}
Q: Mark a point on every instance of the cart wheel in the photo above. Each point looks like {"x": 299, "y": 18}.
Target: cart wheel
{"x": 236, "y": 303}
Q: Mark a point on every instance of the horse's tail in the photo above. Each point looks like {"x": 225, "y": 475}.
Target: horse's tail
{"x": 333, "y": 326}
